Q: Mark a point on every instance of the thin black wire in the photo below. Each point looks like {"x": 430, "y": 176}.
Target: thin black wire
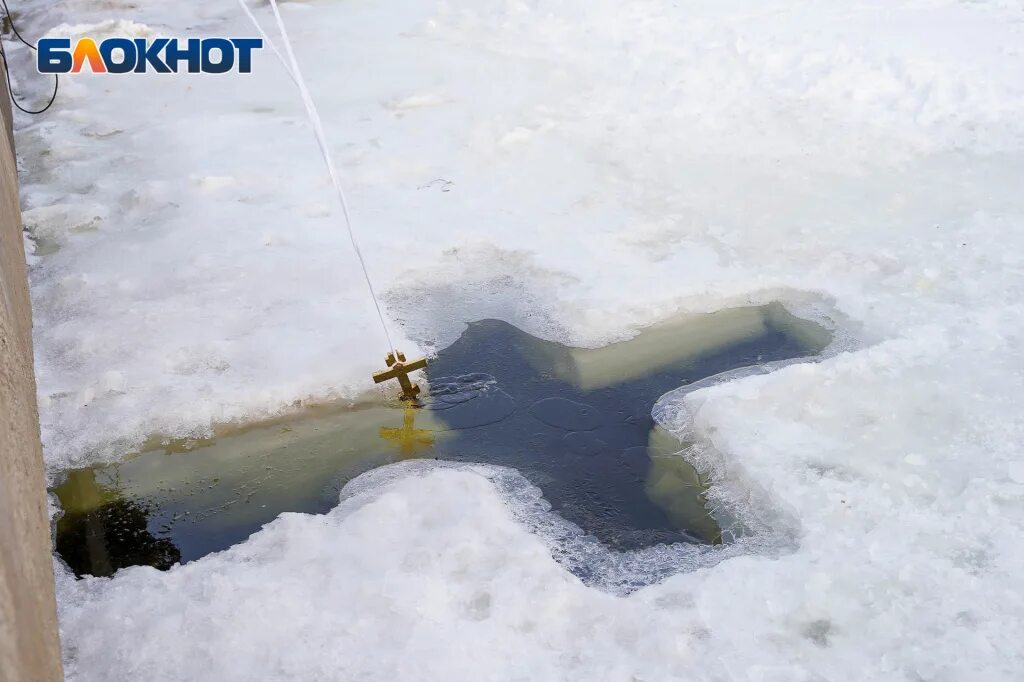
{"x": 7, "y": 71}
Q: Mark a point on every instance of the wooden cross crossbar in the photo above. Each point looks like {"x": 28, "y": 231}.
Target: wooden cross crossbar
{"x": 399, "y": 369}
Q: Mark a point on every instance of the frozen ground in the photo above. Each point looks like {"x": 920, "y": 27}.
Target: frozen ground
{"x": 579, "y": 168}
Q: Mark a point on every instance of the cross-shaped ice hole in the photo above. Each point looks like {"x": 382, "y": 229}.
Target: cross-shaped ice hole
{"x": 576, "y": 423}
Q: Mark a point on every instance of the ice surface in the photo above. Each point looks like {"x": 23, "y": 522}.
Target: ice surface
{"x": 578, "y": 168}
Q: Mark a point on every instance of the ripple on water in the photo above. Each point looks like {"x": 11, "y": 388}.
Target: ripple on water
{"x": 570, "y": 415}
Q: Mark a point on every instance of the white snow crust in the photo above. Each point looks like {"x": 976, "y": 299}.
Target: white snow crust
{"x": 579, "y": 168}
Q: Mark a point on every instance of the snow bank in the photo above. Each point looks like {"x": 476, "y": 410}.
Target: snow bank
{"x": 462, "y": 595}
{"x": 422, "y": 573}
{"x": 579, "y": 169}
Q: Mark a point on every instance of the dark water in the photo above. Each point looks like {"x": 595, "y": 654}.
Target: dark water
{"x": 576, "y": 423}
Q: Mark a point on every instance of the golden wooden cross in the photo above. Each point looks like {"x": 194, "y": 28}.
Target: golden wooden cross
{"x": 399, "y": 369}
{"x": 409, "y": 438}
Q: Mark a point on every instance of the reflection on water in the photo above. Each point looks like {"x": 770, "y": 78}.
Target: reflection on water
{"x": 408, "y": 439}
{"x": 207, "y": 496}
{"x": 101, "y": 530}
{"x": 575, "y": 422}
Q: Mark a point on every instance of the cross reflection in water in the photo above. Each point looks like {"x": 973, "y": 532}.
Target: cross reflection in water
{"x": 410, "y": 440}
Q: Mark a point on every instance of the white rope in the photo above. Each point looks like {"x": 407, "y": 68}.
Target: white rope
{"x": 266, "y": 39}
{"x": 292, "y": 68}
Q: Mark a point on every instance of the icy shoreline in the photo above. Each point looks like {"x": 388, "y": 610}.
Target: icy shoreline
{"x": 633, "y": 161}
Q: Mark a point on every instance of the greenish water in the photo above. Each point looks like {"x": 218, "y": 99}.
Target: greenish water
{"x": 575, "y": 422}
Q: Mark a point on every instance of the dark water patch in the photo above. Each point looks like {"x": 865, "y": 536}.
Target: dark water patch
{"x": 575, "y": 422}
{"x": 106, "y": 532}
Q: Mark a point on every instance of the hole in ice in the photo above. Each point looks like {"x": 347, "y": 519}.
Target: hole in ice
{"x": 575, "y": 422}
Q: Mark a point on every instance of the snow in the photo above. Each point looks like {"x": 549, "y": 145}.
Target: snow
{"x": 580, "y": 169}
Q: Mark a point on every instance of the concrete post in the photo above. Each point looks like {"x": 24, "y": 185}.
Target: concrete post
{"x": 29, "y": 648}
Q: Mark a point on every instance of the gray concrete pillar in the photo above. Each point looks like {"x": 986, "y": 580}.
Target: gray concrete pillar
{"x": 29, "y": 648}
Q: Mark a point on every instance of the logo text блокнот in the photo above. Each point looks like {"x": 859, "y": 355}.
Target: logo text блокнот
{"x": 142, "y": 55}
